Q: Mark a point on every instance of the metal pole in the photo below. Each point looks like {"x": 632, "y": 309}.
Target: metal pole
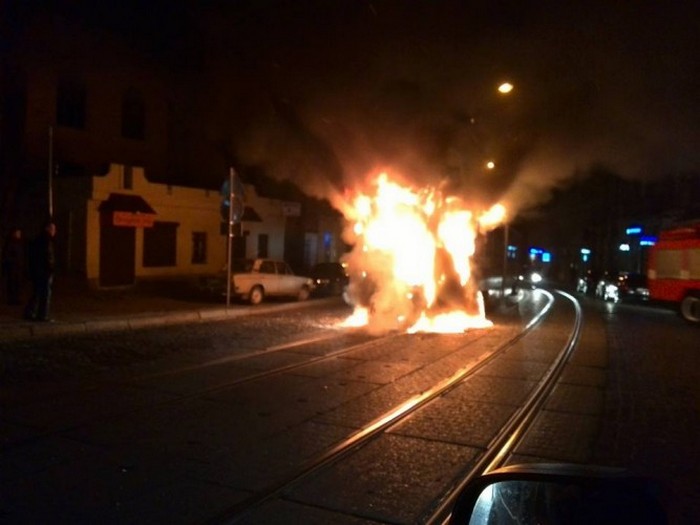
{"x": 229, "y": 241}
{"x": 505, "y": 261}
{"x": 50, "y": 181}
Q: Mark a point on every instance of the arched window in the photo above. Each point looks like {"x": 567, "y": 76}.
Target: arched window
{"x": 70, "y": 102}
{"x": 133, "y": 115}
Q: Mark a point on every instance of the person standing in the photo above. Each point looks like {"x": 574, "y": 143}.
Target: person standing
{"x": 13, "y": 265}
{"x": 42, "y": 260}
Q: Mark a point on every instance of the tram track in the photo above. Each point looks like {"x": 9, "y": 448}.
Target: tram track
{"x": 297, "y": 346}
{"x": 516, "y": 427}
{"x": 309, "y": 346}
{"x": 203, "y": 392}
{"x": 246, "y": 438}
{"x": 400, "y": 412}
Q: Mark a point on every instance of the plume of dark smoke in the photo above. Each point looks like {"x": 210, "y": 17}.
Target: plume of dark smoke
{"x": 344, "y": 90}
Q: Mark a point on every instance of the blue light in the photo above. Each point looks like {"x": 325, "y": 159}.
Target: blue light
{"x": 634, "y": 230}
{"x": 585, "y": 257}
{"x": 535, "y": 251}
{"x": 647, "y": 241}
{"x": 546, "y": 257}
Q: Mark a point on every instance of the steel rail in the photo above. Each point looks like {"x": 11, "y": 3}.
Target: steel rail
{"x": 375, "y": 428}
{"x": 322, "y": 337}
{"x": 204, "y": 391}
{"x": 516, "y": 427}
{"x": 292, "y": 366}
{"x": 286, "y": 368}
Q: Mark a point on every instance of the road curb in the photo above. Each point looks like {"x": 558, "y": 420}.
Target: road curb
{"x": 14, "y": 332}
{"x": 106, "y": 325}
{"x": 57, "y": 329}
{"x": 30, "y": 330}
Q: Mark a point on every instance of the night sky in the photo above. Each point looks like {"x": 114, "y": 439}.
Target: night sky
{"x": 323, "y": 92}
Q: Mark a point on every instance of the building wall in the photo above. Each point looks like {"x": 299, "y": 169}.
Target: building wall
{"x": 273, "y": 224}
{"x": 330, "y": 243}
{"x": 195, "y": 210}
{"x": 52, "y": 49}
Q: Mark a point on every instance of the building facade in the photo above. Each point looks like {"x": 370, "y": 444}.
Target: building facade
{"x": 119, "y": 228}
{"x": 73, "y": 103}
{"x": 90, "y": 136}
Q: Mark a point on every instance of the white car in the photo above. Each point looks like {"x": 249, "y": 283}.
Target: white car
{"x": 254, "y": 279}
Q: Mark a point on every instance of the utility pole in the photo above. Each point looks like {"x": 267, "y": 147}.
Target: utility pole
{"x": 505, "y": 261}
{"x": 50, "y": 174}
{"x": 229, "y": 241}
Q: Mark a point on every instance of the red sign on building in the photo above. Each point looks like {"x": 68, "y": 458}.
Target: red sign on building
{"x": 133, "y": 220}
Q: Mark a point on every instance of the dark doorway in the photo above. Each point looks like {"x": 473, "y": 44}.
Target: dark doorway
{"x": 239, "y": 247}
{"x": 117, "y": 252}
{"x": 239, "y": 243}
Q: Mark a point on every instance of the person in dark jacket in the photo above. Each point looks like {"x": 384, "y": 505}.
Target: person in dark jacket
{"x": 42, "y": 260}
{"x": 13, "y": 265}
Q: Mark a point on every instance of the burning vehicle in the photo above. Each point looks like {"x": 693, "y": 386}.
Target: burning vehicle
{"x": 411, "y": 265}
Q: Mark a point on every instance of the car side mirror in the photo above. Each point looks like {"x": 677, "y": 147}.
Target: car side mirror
{"x": 558, "y": 494}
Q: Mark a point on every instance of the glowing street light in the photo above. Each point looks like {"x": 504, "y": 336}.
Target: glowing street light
{"x": 505, "y": 88}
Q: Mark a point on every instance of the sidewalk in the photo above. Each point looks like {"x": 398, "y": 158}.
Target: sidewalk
{"x": 75, "y": 309}
{"x": 78, "y": 309}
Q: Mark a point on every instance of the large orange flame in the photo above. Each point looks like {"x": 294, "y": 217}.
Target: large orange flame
{"x": 410, "y": 267}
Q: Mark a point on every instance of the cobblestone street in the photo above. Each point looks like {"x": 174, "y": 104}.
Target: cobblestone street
{"x": 652, "y": 421}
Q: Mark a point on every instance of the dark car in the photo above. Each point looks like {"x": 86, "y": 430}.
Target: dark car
{"x": 624, "y": 285}
{"x": 329, "y": 278}
{"x": 587, "y": 283}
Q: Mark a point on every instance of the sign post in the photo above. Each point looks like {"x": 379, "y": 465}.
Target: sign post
{"x": 229, "y": 242}
{"x": 505, "y": 261}
{"x": 232, "y": 196}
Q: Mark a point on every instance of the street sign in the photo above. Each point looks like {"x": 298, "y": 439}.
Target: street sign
{"x": 237, "y": 197}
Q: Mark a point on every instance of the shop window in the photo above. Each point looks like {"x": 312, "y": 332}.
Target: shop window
{"x": 70, "y": 103}
{"x": 160, "y": 244}
{"x": 199, "y": 247}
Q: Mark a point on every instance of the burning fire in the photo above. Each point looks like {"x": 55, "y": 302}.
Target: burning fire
{"x": 410, "y": 268}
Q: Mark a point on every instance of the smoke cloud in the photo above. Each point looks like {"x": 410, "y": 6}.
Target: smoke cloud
{"x": 335, "y": 92}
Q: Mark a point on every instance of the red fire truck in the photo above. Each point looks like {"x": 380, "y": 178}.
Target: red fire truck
{"x": 674, "y": 270}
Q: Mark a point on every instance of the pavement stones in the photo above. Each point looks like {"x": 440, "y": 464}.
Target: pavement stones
{"x": 77, "y": 309}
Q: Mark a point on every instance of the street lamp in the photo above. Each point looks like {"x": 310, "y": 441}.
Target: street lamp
{"x": 505, "y": 88}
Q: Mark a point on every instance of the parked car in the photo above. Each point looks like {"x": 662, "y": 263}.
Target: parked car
{"x": 624, "y": 285}
{"x": 254, "y": 279}
{"x": 330, "y": 278}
